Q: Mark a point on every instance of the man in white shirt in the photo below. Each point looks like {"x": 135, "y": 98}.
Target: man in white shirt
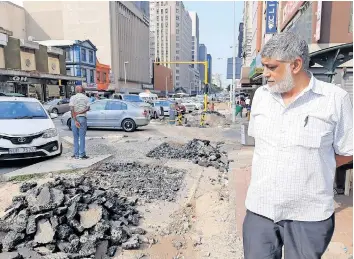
{"x": 303, "y": 130}
{"x": 79, "y": 105}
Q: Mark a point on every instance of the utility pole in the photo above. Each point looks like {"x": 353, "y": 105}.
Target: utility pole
{"x": 166, "y": 88}
{"x": 233, "y": 86}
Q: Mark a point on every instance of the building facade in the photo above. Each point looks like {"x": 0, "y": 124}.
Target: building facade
{"x": 32, "y": 69}
{"x": 102, "y": 76}
{"x": 240, "y": 40}
{"x": 195, "y": 50}
{"x": 163, "y": 80}
{"x": 80, "y": 58}
{"x": 210, "y": 67}
{"x": 120, "y": 31}
{"x": 171, "y": 38}
{"x": 12, "y": 18}
{"x": 202, "y": 57}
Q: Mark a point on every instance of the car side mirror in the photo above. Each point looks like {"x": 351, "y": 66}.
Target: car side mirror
{"x": 53, "y": 116}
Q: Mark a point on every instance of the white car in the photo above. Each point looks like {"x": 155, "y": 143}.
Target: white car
{"x": 27, "y": 130}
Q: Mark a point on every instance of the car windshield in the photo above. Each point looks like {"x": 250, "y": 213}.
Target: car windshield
{"x": 163, "y": 104}
{"x": 21, "y": 110}
{"x": 132, "y": 98}
{"x": 52, "y": 102}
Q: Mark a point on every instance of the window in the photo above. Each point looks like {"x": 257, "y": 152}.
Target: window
{"x": 177, "y": 51}
{"x": 91, "y": 56}
{"x": 104, "y": 77}
{"x": 84, "y": 73}
{"x": 83, "y": 54}
{"x": 177, "y": 45}
{"x": 67, "y": 54}
{"x": 177, "y": 65}
{"x": 177, "y": 78}
{"x": 98, "y": 106}
{"x": 116, "y": 106}
{"x": 177, "y": 38}
{"x": 98, "y": 76}
{"x": 177, "y": 17}
{"x": 177, "y": 10}
{"x": 166, "y": 10}
{"x": 92, "y": 76}
{"x": 166, "y": 17}
{"x": 157, "y": 11}
{"x": 68, "y": 72}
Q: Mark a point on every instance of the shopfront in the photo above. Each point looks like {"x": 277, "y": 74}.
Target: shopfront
{"x": 256, "y": 71}
{"x": 42, "y": 86}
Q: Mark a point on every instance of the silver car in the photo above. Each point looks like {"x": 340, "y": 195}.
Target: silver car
{"x": 57, "y": 106}
{"x": 166, "y": 107}
{"x": 112, "y": 113}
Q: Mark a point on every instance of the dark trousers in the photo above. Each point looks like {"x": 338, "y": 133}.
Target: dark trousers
{"x": 264, "y": 239}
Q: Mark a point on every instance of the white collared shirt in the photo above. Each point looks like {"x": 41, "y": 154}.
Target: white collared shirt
{"x": 294, "y": 162}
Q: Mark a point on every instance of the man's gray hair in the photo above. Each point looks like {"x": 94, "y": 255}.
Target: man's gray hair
{"x": 287, "y": 46}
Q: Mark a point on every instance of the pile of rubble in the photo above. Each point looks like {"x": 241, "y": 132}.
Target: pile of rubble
{"x": 69, "y": 218}
{"x": 213, "y": 119}
{"x": 148, "y": 182}
{"x": 199, "y": 151}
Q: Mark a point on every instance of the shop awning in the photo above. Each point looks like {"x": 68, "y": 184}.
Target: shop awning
{"x": 36, "y": 74}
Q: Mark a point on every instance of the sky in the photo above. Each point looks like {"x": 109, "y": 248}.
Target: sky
{"x": 215, "y": 29}
{"x": 216, "y": 25}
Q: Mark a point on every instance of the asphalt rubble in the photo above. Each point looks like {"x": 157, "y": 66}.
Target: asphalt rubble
{"x": 213, "y": 119}
{"x": 144, "y": 181}
{"x": 69, "y": 218}
{"x": 198, "y": 151}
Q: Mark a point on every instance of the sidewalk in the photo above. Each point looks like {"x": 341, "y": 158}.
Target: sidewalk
{"x": 341, "y": 246}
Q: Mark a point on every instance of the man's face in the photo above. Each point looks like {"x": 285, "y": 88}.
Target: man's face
{"x": 278, "y": 75}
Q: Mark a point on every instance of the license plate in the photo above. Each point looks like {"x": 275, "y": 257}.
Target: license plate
{"x": 22, "y": 150}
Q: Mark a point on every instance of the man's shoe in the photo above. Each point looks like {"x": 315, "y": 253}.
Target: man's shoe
{"x": 73, "y": 156}
{"x": 84, "y": 157}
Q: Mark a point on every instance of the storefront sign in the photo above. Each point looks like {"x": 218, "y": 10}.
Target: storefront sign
{"x": 18, "y": 79}
{"x": 289, "y": 10}
{"x": 256, "y": 67}
{"x": 271, "y": 18}
{"x": 318, "y": 20}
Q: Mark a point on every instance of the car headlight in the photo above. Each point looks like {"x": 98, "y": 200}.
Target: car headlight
{"x": 50, "y": 133}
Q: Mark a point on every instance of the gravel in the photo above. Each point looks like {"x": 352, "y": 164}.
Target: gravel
{"x": 148, "y": 182}
{"x": 199, "y": 151}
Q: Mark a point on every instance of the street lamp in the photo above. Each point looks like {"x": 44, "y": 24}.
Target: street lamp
{"x": 125, "y": 72}
{"x": 233, "y": 108}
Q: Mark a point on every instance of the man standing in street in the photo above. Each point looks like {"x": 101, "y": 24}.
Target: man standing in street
{"x": 303, "y": 130}
{"x": 79, "y": 105}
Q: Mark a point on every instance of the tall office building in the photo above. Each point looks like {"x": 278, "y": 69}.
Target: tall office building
{"x": 202, "y": 57}
{"x": 119, "y": 29}
{"x": 171, "y": 38}
{"x": 195, "y": 48}
{"x": 210, "y": 67}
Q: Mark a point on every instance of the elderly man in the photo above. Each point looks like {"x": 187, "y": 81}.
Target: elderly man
{"x": 303, "y": 130}
{"x": 79, "y": 105}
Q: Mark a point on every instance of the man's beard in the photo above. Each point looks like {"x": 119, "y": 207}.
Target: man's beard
{"x": 284, "y": 85}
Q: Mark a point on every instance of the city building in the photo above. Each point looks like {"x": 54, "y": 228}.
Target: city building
{"x": 119, "y": 29}
{"x": 102, "y": 76}
{"x": 210, "y": 67}
{"x": 32, "y": 69}
{"x": 163, "y": 80}
{"x": 12, "y": 18}
{"x": 323, "y": 25}
{"x": 202, "y": 57}
{"x": 80, "y": 58}
{"x": 195, "y": 50}
{"x": 216, "y": 80}
{"x": 171, "y": 38}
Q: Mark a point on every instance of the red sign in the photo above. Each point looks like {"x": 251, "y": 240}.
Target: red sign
{"x": 289, "y": 10}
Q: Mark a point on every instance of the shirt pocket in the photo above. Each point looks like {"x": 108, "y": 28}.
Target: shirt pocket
{"x": 312, "y": 131}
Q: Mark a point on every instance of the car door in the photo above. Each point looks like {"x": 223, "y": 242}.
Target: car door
{"x": 63, "y": 107}
{"x": 115, "y": 112}
{"x": 96, "y": 115}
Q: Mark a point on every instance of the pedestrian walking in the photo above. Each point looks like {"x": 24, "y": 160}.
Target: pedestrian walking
{"x": 79, "y": 105}
{"x": 303, "y": 130}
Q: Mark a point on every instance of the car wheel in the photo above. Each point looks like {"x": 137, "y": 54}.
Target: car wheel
{"x": 155, "y": 115}
{"x": 55, "y": 110}
{"x": 128, "y": 125}
{"x": 69, "y": 124}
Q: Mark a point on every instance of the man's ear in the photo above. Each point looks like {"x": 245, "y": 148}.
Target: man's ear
{"x": 297, "y": 65}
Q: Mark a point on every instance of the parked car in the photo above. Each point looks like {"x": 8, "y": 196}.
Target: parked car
{"x": 112, "y": 113}
{"x": 133, "y": 98}
{"x": 166, "y": 107}
{"x": 27, "y": 130}
{"x": 57, "y": 106}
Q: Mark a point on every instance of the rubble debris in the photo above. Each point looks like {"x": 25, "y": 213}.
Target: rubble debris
{"x": 27, "y": 186}
{"x": 69, "y": 218}
{"x": 148, "y": 182}
{"x": 199, "y": 151}
{"x": 213, "y": 119}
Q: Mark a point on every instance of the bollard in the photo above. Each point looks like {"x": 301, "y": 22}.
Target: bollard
{"x": 172, "y": 115}
{"x": 179, "y": 119}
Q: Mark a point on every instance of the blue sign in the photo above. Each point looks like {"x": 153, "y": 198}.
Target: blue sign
{"x": 271, "y": 18}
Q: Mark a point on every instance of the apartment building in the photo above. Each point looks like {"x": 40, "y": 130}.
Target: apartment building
{"x": 120, "y": 30}
{"x": 203, "y": 52}
{"x": 195, "y": 49}
{"x": 171, "y": 38}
